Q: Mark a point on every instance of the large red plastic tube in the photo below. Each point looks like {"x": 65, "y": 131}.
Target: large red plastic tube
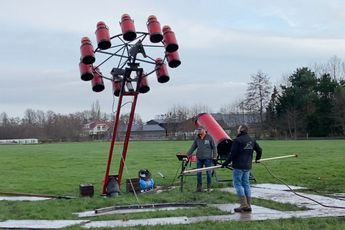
{"x": 102, "y": 35}
{"x": 86, "y": 50}
{"x": 169, "y": 41}
{"x": 86, "y": 73}
{"x": 97, "y": 81}
{"x": 220, "y": 137}
{"x": 117, "y": 86}
{"x": 161, "y": 71}
{"x": 154, "y": 28}
{"x": 173, "y": 59}
{"x": 143, "y": 85}
{"x": 128, "y": 28}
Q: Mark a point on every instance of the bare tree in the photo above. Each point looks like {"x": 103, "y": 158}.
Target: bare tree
{"x": 3, "y": 119}
{"x": 124, "y": 119}
{"x": 29, "y": 117}
{"x": 40, "y": 118}
{"x": 174, "y": 116}
{"x": 177, "y": 113}
{"x": 258, "y": 94}
{"x": 95, "y": 111}
{"x": 235, "y": 107}
{"x": 335, "y": 67}
{"x": 235, "y": 112}
{"x": 199, "y": 108}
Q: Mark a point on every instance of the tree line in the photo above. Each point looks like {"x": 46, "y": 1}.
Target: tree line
{"x": 50, "y": 126}
{"x": 309, "y": 103}
{"x": 47, "y": 126}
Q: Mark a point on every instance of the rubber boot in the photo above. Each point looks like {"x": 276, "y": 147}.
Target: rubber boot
{"x": 248, "y": 208}
{"x": 243, "y": 204}
{"x": 208, "y": 187}
{"x": 198, "y": 188}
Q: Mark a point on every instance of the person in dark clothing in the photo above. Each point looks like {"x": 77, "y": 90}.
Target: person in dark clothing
{"x": 241, "y": 157}
{"x": 205, "y": 154}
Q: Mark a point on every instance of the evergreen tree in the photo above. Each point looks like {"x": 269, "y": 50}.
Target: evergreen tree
{"x": 271, "y": 114}
{"x": 339, "y": 109}
{"x": 297, "y": 104}
{"x": 325, "y": 121}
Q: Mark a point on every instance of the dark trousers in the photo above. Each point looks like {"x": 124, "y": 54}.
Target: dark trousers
{"x": 199, "y": 164}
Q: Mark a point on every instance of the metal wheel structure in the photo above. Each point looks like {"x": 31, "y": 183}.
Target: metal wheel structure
{"x": 129, "y": 50}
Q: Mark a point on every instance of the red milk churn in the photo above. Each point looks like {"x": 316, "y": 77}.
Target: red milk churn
{"x": 97, "y": 81}
{"x": 154, "y": 29}
{"x": 220, "y": 137}
{"x": 102, "y": 35}
{"x": 173, "y": 59}
{"x": 143, "y": 85}
{"x": 161, "y": 71}
{"x": 86, "y": 50}
{"x": 170, "y": 42}
{"x": 86, "y": 73}
{"x": 117, "y": 85}
{"x": 127, "y": 27}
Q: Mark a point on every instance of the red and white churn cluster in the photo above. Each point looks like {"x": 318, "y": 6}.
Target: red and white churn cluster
{"x": 127, "y": 77}
{"x": 91, "y": 72}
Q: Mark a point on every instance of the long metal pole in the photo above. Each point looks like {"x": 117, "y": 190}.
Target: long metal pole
{"x": 275, "y": 158}
{"x": 110, "y": 156}
{"x": 34, "y": 195}
{"x": 219, "y": 166}
{"x": 128, "y": 134}
{"x": 200, "y": 169}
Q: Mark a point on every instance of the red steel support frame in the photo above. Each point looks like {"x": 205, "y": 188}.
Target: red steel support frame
{"x": 125, "y": 145}
{"x": 130, "y": 46}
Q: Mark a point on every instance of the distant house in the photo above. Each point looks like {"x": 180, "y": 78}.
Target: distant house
{"x": 97, "y": 129}
{"x": 234, "y": 119}
{"x": 162, "y": 123}
{"x": 153, "y": 132}
{"x": 159, "y": 122}
{"x": 170, "y": 126}
{"x": 104, "y": 130}
{"x": 184, "y": 130}
{"x": 143, "y": 132}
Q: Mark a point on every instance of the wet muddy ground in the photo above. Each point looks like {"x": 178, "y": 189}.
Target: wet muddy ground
{"x": 273, "y": 192}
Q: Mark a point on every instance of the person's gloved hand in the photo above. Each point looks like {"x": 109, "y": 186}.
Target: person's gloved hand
{"x": 215, "y": 162}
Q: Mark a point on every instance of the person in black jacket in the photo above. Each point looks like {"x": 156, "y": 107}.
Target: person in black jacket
{"x": 241, "y": 156}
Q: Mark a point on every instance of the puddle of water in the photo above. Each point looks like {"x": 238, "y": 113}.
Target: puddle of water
{"x": 137, "y": 208}
{"x": 279, "y": 187}
{"x": 39, "y": 224}
{"x": 132, "y": 223}
{"x": 92, "y": 213}
{"x": 23, "y": 198}
{"x": 264, "y": 191}
{"x": 315, "y": 210}
{"x": 256, "y": 209}
{"x": 289, "y": 197}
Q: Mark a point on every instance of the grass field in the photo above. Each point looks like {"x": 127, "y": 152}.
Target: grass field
{"x": 58, "y": 169}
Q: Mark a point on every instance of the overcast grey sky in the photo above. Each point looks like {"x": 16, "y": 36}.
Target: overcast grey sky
{"x": 221, "y": 44}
